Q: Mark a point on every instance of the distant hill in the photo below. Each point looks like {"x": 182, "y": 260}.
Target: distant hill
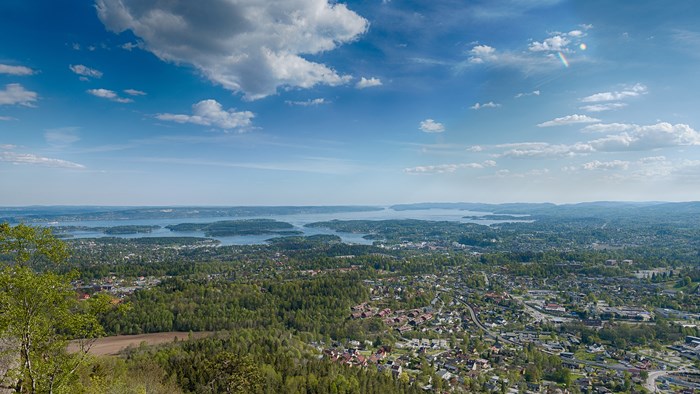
{"x": 586, "y": 209}
{"x": 67, "y": 213}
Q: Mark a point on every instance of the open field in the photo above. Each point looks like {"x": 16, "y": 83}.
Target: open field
{"x": 114, "y": 345}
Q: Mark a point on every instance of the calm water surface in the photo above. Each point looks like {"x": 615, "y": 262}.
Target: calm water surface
{"x": 297, "y": 220}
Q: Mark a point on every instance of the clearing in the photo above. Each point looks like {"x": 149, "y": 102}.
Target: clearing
{"x": 114, "y": 345}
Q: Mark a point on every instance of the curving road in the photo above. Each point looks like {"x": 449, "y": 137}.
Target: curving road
{"x": 476, "y": 321}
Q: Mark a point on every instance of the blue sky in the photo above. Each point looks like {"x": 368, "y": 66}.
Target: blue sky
{"x": 261, "y": 102}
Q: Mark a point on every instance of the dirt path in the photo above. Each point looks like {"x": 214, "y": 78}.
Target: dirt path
{"x": 114, "y": 345}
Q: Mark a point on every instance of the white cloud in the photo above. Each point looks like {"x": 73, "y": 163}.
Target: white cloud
{"x": 15, "y": 70}
{"x": 448, "y": 168}
{"x": 134, "y": 92}
{"x": 490, "y": 104}
{"x": 608, "y": 128}
{"x": 210, "y": 113}
{"x": 603, "y": 107}
{"x": 641, "y": 169}
{"x": 649, "y": 137}
{"x": 431, "y": 126}
{"x": 109, "y": 95}
{"x": 368, "y": 83}
{"x": 633, "y": 91}
{"x": 533, "y": 93}
{"x": 254, "y": 47}
{"x": 309, "y": 102}
{"x": 567, "y": 120}
{"x": 482, "y": 53}
{"x": 85, "y": 71}
{"x": 606, "y": 165}
{"x": 540, "y": 56}
{"x": 130, "y": 45}
{"x": 533, "y": 150}
{"x": 526, "y": 62}
{"x": 535, "y": 173}
{"x": 28, "y": 158}
{"x": 552, "y": 44}
{"x": 6, "y": 118}
{"x": 630, "y": 137}
{"x": 14, "y": 93}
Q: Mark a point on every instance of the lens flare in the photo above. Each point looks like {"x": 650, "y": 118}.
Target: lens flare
{"x": 563, "y": 59}
{"x": 583, "y": 46}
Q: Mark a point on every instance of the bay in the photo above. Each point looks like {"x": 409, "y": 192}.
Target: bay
{"x": 297, "y": 220}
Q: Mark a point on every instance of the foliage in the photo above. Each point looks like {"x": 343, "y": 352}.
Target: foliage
{"x": 263, "y": 361}
{"x": 319, "y": 306}
{"x": 39, "y": 312}
{"x": 30, "y": 246}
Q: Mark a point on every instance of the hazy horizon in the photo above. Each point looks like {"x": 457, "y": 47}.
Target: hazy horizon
{"x": 377, "y": 205}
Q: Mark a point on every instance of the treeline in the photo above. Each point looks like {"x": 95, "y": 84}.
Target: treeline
{"x": 318, "y": 306}
{"x": 623, "y": 336}
{"x": 264, "y": 361}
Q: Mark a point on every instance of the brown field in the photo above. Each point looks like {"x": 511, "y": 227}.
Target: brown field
{"x": 114, "y": 345}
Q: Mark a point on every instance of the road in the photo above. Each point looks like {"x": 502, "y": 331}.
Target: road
{"x": 650, "y": 383}
{"x": 476, "y": 321}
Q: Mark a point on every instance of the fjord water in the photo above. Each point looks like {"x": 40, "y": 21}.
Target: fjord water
{"x": 297, "y": 220}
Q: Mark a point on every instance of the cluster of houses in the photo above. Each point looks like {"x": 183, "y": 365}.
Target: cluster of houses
{"x": 353, "y": 357}
{"x": 402, "y": 320}
{"x": 690, "y": 349}
{"x": 114, "y": 286}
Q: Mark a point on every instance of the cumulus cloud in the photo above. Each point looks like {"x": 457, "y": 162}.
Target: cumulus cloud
{"x": 540, "y": 56}
{"x": 558, "y": 42}
{"x": 552, "y": 44}
{"x": 533, "y": 93}
{"x": 15, "y": 70}
{"x": 134, "y": 92}
{"x": 567, "y": 120}
{"x": 210, "y": 113}
{"x": 482, "y": 53}
{"x": 648, "y": 137}
{"x": 368, "y": 83}
{"x": 15, "y": 93}
{"x": 309, "y": 102}
{"x": 254, "y": 47}
{"x": 633, "y": 91}
{"x": 85, "y": 71}
{"x": 109, "y": 95}
{"x": 431, "y": 126}
{"x": 9, "y": 156}
{"x": 526, "y": 62}
{"x": 479, "y": 106}
{"x": 623, "y": 138}
{"x": 448, "y": 168}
